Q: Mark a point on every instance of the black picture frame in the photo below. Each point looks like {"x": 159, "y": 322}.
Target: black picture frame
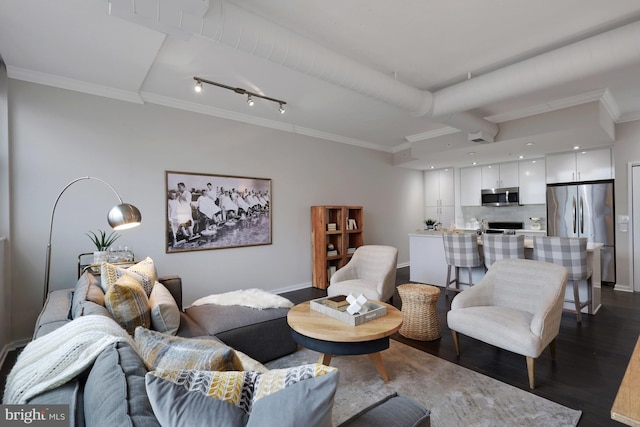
{"x": 210, "y": 211}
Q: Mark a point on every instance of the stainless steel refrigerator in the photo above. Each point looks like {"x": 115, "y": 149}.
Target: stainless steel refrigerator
{"x": 585, "y": 210}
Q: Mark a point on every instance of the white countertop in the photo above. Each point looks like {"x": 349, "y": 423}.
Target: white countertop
{"x": 528, "y": 243}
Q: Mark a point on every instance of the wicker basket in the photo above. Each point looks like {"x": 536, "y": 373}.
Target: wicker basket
{"x": 419, "y": 312}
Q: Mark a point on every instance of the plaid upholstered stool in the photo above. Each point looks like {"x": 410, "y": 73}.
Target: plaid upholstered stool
{"x": 571, "y": 253}
{"x": 419, "y": 312}
{"x": 460, "y": 251}
{"x": 500, "y": 246}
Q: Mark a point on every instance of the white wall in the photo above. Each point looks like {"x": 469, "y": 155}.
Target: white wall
{"x": 58, "y": 135}
{"x": 626, "y": 150}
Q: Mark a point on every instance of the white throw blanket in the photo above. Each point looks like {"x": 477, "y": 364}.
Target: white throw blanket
{"x": 254, "y": 298}
{"x": 61, "y": 355}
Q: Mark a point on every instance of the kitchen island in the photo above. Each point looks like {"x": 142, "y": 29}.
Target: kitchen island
{"x": 428, "y": 265}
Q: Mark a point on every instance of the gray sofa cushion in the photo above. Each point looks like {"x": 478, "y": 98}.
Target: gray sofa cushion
{"x": 262, "y": 334}
{"x": 67, "y": 394}
{"x": 115, "y": 393}
{"x": 55, "y": 312}
{"x": 85, "y": 292}
{"x": 392, "y": 411}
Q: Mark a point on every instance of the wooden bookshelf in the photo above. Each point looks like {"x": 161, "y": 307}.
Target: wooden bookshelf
{"x": 347, "y": 234}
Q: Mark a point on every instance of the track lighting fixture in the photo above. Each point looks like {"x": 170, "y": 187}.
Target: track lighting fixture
{"x": 239, "y": 90}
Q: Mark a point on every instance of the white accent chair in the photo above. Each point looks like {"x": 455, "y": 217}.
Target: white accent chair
{"x": 370, "y": 272}
{"x": 517, "y": 306}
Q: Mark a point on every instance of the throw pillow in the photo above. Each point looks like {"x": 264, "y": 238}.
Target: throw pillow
{"x": 162, "y": 351}
{"x": 127, "y": 302}
{"x": 144, "y": 272}
{"x": 84, "y": 292}
{"x": 165, "y": 314}
{"x": 273, "y": 398}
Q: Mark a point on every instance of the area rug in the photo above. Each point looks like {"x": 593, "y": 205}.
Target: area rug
{"x": 455, "y": 395}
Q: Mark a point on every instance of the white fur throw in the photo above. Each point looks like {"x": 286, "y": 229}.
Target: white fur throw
{"x": 61, "y": 355}
{"x": 254, "y": 298}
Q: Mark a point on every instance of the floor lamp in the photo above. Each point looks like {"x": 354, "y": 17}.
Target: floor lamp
{"x": 120, "y": 217}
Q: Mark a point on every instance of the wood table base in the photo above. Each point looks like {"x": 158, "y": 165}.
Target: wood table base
{"x": 376, "y": 359}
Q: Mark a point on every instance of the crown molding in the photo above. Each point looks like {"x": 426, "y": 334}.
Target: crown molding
{"x": 72, "y": 84}
{"x": 246, "y": 118}
{"x": 447, "y": 130}
{"x": 629, "y": 117}
{"x": 557, "y": 104}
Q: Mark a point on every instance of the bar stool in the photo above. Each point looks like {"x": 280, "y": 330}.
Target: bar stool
{"x": 571, "y": 253}
{"x": 500, "y": 246}
{"x": 460, "y": 251}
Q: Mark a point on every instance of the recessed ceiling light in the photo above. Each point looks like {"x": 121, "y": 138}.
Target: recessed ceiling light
{"x": 530, "y": 143}
{"x": 471, "y": 153}
{"x": 533, "y": 161}
{"x": 433, "y": 167}
{"x": 521, "y": 156}
{"x": 474, "y": 163}
{"x": 577, "y": 147}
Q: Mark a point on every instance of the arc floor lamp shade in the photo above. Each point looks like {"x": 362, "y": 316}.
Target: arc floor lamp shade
{"x": 120, "y": 217}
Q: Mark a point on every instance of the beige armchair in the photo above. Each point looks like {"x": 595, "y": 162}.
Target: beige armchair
{"x": 371, "y": 272}
{"x": 517, "y": 306}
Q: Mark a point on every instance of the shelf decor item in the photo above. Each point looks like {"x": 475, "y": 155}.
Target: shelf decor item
{"x": 120, "y": 217}
{"x": 207, "y": 211}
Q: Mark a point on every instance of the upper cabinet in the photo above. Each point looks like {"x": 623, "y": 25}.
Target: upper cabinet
{"x": 500, "y": 175}
{"x": 579, "y": 166}
{"x": 533, "y": 189}
{"x": 439, "y": 195}
{"x": 470, "y": 186}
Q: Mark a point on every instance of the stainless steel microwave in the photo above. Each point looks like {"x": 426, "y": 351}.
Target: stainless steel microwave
{"x": 501, "y": 197}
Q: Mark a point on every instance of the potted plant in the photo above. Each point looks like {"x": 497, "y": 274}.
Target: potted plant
{"x": 102, "y": 241}
{"x": 430, "y": 223}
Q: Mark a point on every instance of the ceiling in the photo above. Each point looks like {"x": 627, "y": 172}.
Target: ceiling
{"x": 415, "y": 80}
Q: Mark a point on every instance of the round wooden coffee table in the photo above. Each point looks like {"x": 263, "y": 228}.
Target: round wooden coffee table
{"x": 329, "y": 336}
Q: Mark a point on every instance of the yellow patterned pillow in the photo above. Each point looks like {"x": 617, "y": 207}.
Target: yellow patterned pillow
{"x": 242, "y": 389}
{"x": 144, "y": 272}
{"x": 127, "y": 302}
{"x": 162, "y": 351}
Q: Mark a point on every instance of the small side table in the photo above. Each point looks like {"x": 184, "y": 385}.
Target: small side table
{"x": 419, "y": 312}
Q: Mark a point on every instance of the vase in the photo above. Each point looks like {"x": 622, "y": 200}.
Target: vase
{"x": 98, "y": 258}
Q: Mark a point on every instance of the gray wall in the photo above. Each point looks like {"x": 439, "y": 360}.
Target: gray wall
{"x": 58, "y": 135}
{"x": 5, "y": 291}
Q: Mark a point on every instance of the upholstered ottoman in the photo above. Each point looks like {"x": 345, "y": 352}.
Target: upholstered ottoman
{"x": 261, "y": 334}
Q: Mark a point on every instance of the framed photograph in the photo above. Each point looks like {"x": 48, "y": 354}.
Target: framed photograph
{"x": 206, "y": 211}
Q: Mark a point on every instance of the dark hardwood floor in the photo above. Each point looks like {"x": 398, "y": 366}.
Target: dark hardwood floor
{"x": 590, "y": 362}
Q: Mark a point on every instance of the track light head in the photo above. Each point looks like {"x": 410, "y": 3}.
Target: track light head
{"x": 250, "y": 100}
{"x": 198, "y": 87}
{"x": 282, "y": 110}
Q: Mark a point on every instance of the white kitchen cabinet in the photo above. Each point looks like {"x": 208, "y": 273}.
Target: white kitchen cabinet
{"x": 470, "y": 186}
{"x": 579, "y": 166}
{"x": 502, "y": 175}
{"x": 593, "y": 165}
{"x": 439, "y": 195}
{"x": 533, "y": 188}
